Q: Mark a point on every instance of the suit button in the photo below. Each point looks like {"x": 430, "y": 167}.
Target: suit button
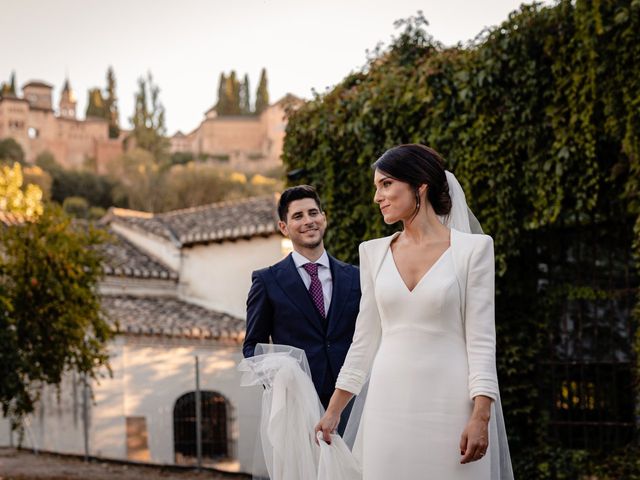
{"x": 328, "y": 345}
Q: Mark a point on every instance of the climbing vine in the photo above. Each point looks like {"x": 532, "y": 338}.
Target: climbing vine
{"x": 539, "y": 118}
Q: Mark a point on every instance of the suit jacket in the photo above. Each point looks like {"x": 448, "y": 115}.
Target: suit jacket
{"x": 475, "y": 271}
{"x": 280, "y": 309}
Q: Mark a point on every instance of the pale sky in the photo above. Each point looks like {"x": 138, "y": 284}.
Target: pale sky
{"x": 303, "y": 44}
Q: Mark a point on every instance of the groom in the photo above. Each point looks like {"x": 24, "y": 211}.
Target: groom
{"x": 309, "y": 300}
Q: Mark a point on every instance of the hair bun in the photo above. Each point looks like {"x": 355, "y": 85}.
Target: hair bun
{"x": 440, "y": 199}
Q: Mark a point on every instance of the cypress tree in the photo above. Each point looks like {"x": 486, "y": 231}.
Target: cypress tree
{"x": 262, "y": 94}
{"x": 245, "y": 96}
{"x": 12, "y": 85}
{"x": 95, "y": 104}
{"x": 111, "y": 106}
{"x": 223, "y": 101}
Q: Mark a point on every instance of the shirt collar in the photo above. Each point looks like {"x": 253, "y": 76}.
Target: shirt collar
{"x": 300, "y": 260}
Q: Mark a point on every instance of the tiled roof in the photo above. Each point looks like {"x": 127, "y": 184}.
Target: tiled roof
{"x": 209, "y": 223}
{"x": 123, "y": 258}
{"x": 170, "y": 317}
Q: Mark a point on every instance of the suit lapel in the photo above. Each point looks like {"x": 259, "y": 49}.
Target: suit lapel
{"x": 292, "y": 285}
{"x": 339, "y": 294}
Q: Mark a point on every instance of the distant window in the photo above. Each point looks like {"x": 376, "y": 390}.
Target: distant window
{"x": 33, "y": 132}
{"x": 215, "y": 440}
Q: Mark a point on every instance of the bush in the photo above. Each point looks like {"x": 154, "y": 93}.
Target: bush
{"x": 76, "y": 207}
{"x": 11, "y": 151}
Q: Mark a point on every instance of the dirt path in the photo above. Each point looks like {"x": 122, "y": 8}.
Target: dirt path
{"x": 22, "y": 465}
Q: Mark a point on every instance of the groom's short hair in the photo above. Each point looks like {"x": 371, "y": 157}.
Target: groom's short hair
{"x": 296, "y": 193}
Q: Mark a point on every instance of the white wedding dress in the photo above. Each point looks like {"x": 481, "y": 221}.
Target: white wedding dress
{"x": 418, "y": 399}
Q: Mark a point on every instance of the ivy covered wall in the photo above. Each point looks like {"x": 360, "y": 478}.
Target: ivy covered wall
{"x": 539, "y": 119}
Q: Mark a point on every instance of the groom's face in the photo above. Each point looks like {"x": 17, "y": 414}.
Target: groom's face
{"x": 305, "y": 223}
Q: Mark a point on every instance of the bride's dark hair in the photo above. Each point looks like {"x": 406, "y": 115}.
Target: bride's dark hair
{"x": 417, "y": 165}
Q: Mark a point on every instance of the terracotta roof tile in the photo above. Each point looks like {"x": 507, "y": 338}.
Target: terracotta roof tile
{"x": 123, "y": 258}
{"x": 170, "y": 317}
{"x": 209, "y": 223}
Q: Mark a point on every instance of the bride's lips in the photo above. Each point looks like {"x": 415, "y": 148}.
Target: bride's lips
{"x": 382, "y": 208}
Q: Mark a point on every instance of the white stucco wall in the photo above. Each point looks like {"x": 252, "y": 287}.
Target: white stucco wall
{"x": 149, "y": 375}
{"x": 218, "y": 275}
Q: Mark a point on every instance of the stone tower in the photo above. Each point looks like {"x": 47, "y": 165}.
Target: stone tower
{"x": 67, "y": 102}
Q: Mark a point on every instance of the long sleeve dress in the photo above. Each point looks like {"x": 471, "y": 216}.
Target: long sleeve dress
{"x": 427, "y": 353}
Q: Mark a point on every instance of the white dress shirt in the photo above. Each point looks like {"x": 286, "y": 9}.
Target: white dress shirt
{"x": 324, "y": 274}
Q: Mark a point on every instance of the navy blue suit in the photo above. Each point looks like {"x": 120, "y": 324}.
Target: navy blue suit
{"x": 280, "y": 309}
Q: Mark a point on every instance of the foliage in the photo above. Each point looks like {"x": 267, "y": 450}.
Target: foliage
{"x": 262, "y": 93}
{"x": 50, "y": 320}
{"x": 180, "y": 158}
{"x": 111, "y": 105}
{"x": 98, "y": 190}
{"x": 539, "y": 118}
{"x": 95, "y": 104}
{"x": 196, "y": 184}
{"x": 143, "y": 180}
{"x": 9, "y": 89}
{"x": 11, "y": 151}
{"x": 233, "y": 95}
{"x": 77, "y": 207}
{"x": 245, "y": 96}
{"x": 15, "y": 198}
{"x": 46, "y": 161}
{"x": 37, "y": 176}
{"x": 149, "y": 130}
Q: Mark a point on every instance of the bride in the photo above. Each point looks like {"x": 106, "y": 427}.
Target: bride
{"x": 423, "y": 349}
{"x": 425, "y": 334}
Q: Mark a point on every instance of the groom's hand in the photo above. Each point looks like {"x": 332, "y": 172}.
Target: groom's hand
{"x": 327, "y": 425}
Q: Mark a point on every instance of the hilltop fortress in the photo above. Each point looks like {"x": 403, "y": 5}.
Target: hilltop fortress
{"x": 250, "y": 143}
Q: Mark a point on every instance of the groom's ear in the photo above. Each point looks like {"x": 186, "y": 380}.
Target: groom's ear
{"x": 283, "y": 228}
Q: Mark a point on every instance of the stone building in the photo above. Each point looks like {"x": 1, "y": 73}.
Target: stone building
{"x": 249, "y": 143}
{"x": 31, "y": 120}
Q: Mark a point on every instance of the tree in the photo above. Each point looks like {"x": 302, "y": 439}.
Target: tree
{"x": 223, "y": 100}
{"x": 77, "y": 207}
{"x": 12, "y": 84}
{"x": 245, "y": 96}
{"x": 232, "y": 94}
{"x": 11, "y": 151}
{"x": 50, "y": 318}
{"x": 47, "y": 161}
{"x": 148, "y": 120}
{"x": 95, "y": 104}
{"x": 9, "y": 89}
{"x": 25, "y": 202}
{"x": 39, "y": 177}
{"x": 142, "y": 182}
{"x": 262, "y": 93}
{"x": 111, "y": 105}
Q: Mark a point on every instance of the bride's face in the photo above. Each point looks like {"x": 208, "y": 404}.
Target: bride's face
{"x": 396, "y": 199}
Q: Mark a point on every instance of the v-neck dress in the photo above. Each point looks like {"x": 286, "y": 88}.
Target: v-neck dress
{"x": 418, "y": 399}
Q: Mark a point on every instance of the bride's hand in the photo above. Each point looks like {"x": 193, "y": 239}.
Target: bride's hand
{"x": 475, "y": 440}
{"x": 327, "y": 424}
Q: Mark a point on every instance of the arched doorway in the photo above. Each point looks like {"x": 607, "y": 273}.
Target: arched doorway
{"x": 215, "y": 442}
